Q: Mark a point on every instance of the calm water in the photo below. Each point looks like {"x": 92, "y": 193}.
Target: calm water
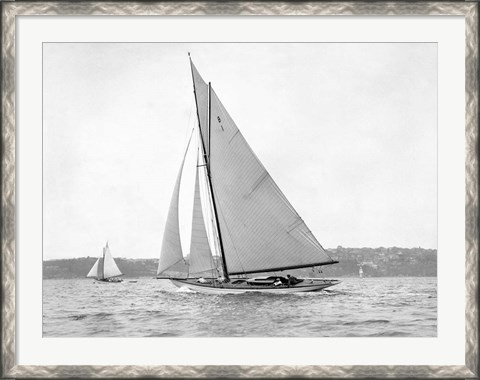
{"x": 356, "y": 307}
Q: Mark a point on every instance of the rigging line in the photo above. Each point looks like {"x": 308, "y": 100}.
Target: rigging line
{"x": 206, "y": 212}
{"x": 214, "y": 203}
{"x": 206, "y": 209}
{"x": 200, "y": 176}
{"x": 192, "y": 107}
{"x": 224, "y": 265}
{"x": 188, "y": 145}
{"x": 209, "y": 212}
{"x": 229, "y": 233}
{"x": 215, "y": 228}
{"x": 175, "y": 263}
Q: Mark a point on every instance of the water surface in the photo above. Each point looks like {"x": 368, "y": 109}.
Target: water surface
{"x": 393, "y": 307}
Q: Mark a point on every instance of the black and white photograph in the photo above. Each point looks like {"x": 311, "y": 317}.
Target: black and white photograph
{"x": 239, "y": 189}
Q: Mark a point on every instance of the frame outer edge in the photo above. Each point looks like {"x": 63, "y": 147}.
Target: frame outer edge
{"x": 230, "y": 371}
{"x": 471, "y": 184}
{"x": 236, "y": 8}
{"x": 11, "y": 9}
{"x": 8, "y": 188}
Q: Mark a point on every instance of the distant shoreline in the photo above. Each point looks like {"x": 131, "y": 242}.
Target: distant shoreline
{"x": 375, "y": 262}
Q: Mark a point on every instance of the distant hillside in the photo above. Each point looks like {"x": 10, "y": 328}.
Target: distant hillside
{"x": 383, "y": 262}
{"x": 375, "y": 262}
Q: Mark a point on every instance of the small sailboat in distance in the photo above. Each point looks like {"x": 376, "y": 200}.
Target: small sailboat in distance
{"x": 105, "y": 268}
{"x": 252, "y": 226}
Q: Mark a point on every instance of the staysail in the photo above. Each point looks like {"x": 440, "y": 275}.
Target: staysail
{"x": 200, "y": 259}
{"x": 261, "y": 231}
{"x": 94, "y": 271}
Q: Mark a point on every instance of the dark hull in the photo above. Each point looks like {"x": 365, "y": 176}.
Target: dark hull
{"x": 109, "y": 281}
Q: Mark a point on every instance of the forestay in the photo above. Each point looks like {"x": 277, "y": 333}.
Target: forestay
{"x": 201, "y": 98}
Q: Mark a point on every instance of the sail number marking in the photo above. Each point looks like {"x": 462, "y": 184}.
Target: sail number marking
{"x": 220, "y": 121}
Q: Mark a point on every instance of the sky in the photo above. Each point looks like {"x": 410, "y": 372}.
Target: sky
{"x": 348, "y": 131}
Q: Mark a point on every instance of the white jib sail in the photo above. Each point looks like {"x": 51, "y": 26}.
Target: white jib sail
{"x": 94, "y": 271}
{"x": 171, "y": 252}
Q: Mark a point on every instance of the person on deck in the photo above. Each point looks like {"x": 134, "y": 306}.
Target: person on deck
{"x": 291, "y": 280}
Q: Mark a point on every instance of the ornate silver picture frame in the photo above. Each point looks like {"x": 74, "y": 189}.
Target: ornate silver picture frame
{"x": 12, "y": 10}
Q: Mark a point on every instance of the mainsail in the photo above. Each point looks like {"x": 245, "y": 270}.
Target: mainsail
{"x": 201, "y": 100}
{"x": 261, "y": 230}
{"x": 110, "y": 268}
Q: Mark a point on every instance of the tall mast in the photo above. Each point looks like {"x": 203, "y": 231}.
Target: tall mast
{"x": 222, "y": 252}
{"x": 198, "y": 117}
{"x": 207, "y": 162}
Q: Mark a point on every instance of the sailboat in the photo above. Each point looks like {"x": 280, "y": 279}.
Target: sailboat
{"x": 253, "y": 228}
{"x": 105, "y": 269}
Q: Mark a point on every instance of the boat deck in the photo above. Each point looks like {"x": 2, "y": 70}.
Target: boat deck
{"x": 243, "y": 286}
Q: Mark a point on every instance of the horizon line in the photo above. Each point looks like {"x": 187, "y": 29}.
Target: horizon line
{"x": 158, "y": 257}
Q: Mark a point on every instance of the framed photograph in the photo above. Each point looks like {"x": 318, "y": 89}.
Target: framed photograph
{"x": 240, "y": 189}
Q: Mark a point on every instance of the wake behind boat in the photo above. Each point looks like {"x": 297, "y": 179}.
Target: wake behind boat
{"x": 252, "y": 226}
{"x": 105, "y": 270}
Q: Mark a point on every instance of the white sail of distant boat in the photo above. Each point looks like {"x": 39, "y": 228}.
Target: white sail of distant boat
{"x": 255, "y": 228}
{"x": 105, "y": 269}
